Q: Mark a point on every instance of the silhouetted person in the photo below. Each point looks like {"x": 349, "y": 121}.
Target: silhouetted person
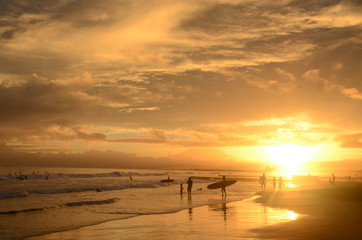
{"x": 181, "y": 189}
{"x": 280, "y": 183}
{"x": 262, "y": 181}
{"x": 274, "y": 183}
{"x": 130, "y": 177}
{"x": 189, "y": 186}
{"x": 223, "y": 190}
{"x": 333, "y": 179}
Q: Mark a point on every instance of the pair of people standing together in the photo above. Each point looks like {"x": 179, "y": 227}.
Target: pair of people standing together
{"x": 189, "y": 187}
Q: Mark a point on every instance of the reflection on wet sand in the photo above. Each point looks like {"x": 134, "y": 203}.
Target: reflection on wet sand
{"x": 272, "y": 216}
{"x": 190, "y": 214}
{"x": 220, "y": 208}
{"x": 233, "y": 220}
{"x": 265, "y": 215}
{"x": 224, "y": 208}
{"x": 190, "y": 204}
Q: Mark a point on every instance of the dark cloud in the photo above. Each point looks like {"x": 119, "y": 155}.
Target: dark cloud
{"x": 90, "y": 13}
{"x": 91, "y": 136}
{"x": 157, "y": 133}
{"x": 138, "y": 140}
{"x": 229, "y": 18}
{"x": 36, "y": 98}
{"x": 29, "y": 109}
{"x": 8, "y": 34}
{"x": 18, "y": 8}
{"x": 33, "y": 64}
{"x": 313, "y": 6}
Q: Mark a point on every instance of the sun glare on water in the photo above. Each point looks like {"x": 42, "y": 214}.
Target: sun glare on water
{"x": 289, "y": 158}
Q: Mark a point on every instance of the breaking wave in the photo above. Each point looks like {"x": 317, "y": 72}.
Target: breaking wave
{"x": 81, "y": 175}
{"x": 70, "y": 204}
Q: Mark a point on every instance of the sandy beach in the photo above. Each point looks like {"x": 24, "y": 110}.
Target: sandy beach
{"x": 233, "y": 220}
{"x": 318, "y": 212}
{"x": 331, "y": 212}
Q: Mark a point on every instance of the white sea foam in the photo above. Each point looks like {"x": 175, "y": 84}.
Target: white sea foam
{"x": 74, "y": 175}
{"x": 61, "y": 187}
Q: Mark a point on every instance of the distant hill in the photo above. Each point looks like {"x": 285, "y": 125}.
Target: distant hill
{"x": 208, "y": 158}
{"x": 203, "y": 154}
{"x": 189, "y": 159}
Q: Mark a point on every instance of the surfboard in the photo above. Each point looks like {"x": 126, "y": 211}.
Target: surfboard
{"x": 167, "y": 180}
{"x": 221, "y": 184}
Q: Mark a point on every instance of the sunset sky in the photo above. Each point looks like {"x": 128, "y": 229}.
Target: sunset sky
{"x": 156, "y": 77}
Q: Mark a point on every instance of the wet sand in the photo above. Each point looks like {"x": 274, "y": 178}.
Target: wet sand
{"x": 232, "y": 220}
{"x": 318, "y": 212}
{"x": 332, "y": 212}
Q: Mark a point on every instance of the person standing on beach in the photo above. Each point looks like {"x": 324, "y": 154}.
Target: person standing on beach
{"x": 274, "y": 183}
{"x": 181, "y": 189}
{"x": 189, "y": 186}
{"x": 262, "y": 181}
{"x": 280, "y": 183}
{"x": 223, "y": 190}
{"x": 333, "y": 179}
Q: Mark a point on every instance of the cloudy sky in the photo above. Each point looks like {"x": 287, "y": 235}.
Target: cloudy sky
{"x": 153, "y": 77}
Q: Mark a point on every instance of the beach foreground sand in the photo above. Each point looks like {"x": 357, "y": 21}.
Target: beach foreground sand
{"x": 313, "y": 212}
{"x": 331, "y": 212}
{"x": 229, "y": 220}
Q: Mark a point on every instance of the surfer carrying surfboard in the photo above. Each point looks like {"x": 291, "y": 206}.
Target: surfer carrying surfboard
{"x": 222, "y": 184}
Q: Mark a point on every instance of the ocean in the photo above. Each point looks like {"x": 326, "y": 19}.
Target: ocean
{"x": 40, "y": 201}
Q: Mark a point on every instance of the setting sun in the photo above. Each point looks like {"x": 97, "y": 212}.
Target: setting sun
{"x": 289, "y": 158}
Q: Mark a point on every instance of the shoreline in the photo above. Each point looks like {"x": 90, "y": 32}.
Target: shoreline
{"x": 225, "y": 220}
{"x": 311, "y": 212}
{"x": 130, "y": 215}
{"x": 331, "y": 212}
{"x": 134, "y": 215}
